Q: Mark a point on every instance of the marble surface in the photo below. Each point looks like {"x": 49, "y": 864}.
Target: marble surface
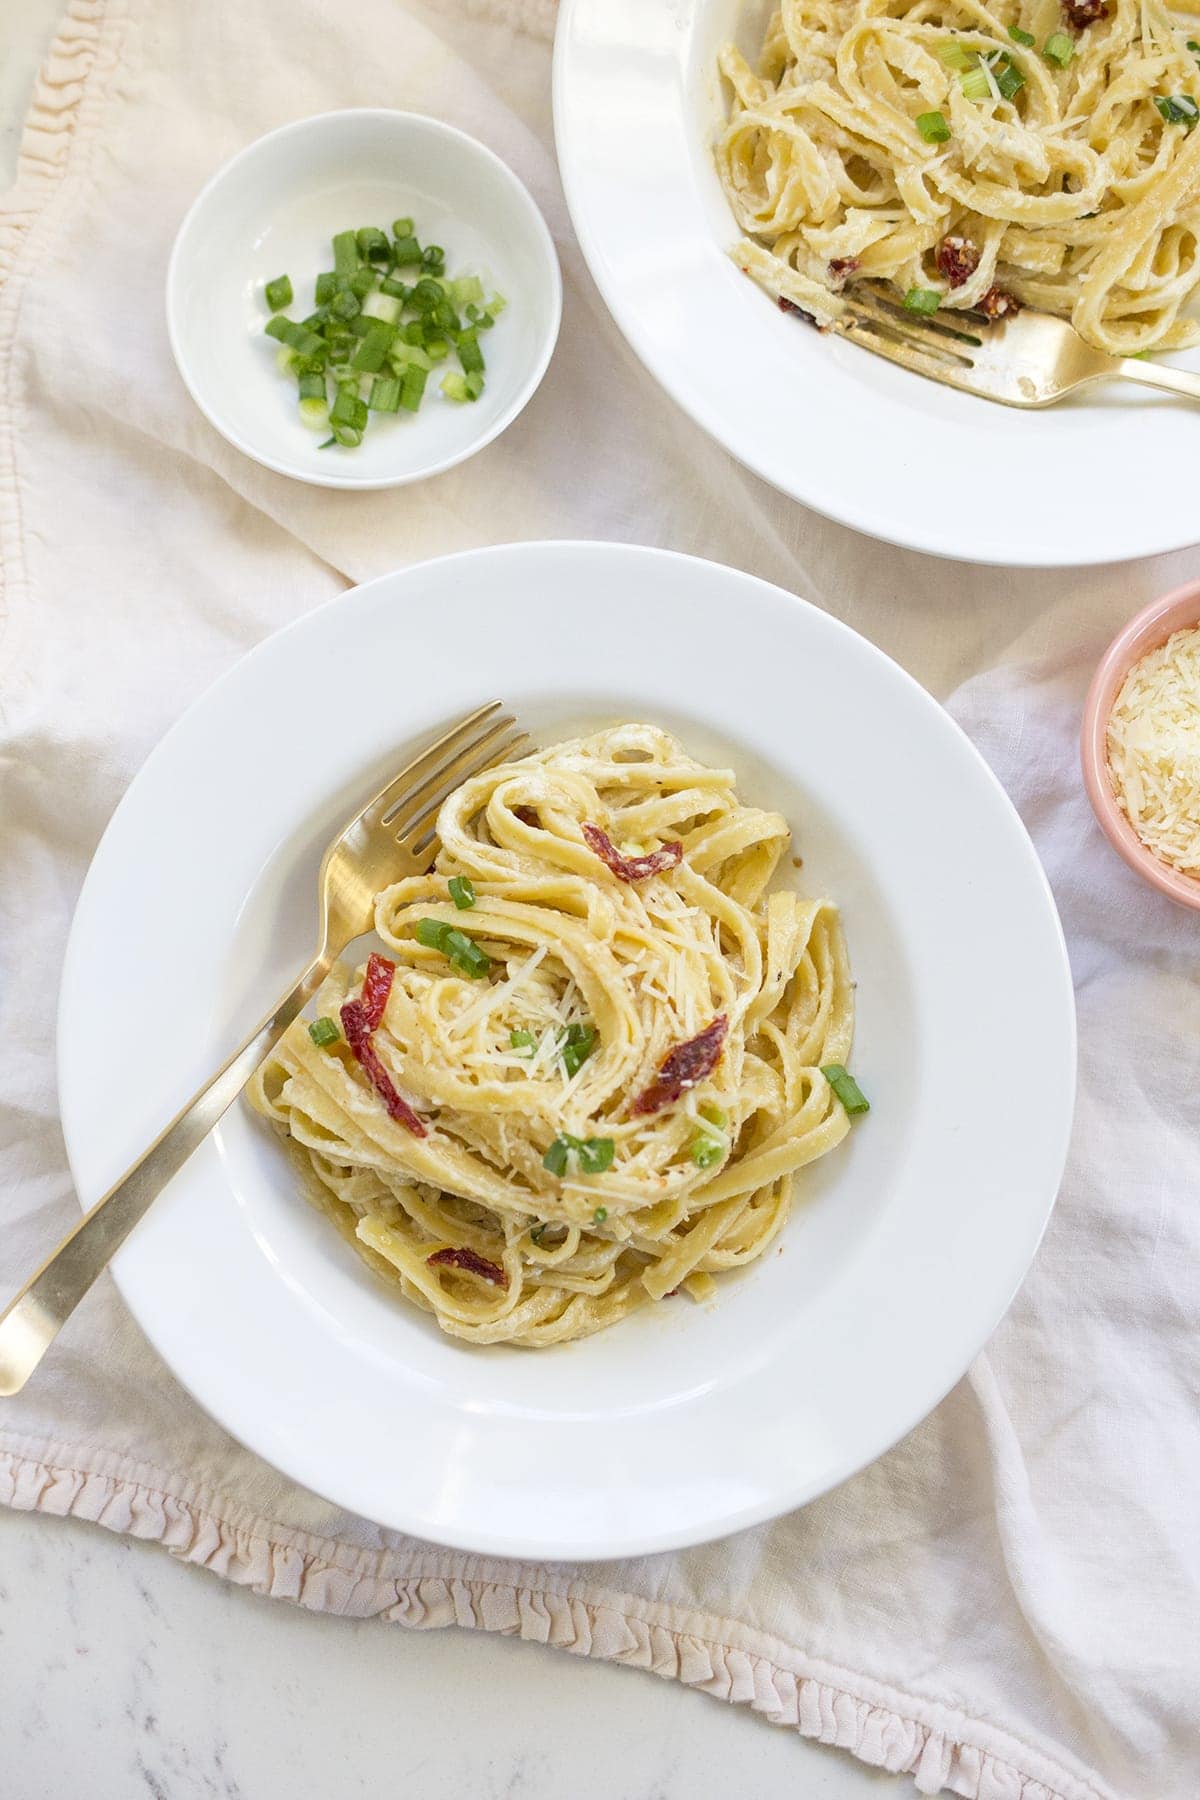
{"x": 128, "y": 1676}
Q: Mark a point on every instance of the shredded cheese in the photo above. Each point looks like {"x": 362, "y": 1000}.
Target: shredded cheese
{"x": 1154, "y": 750}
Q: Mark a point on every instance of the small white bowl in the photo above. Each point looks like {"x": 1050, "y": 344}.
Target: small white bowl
{"x": 273, "y": 209}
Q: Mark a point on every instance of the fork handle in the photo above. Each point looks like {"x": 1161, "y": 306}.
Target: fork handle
{"x": 31, "y": 1322}
{"x": 1160, "y": 375}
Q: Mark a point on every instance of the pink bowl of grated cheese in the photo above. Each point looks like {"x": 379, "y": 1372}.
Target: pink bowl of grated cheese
{"x": 1140, "y": 743}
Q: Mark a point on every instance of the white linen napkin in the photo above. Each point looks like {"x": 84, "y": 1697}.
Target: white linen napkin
{"x": 1004, "y": 1606}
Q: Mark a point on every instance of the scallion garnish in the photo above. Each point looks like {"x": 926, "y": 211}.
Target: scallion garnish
{"x": 1021, "y": 37}
{"x": 953, "y": 55}
{"x": 522, "y": 1040}
{"x": 975, "y": 84}
{"x": 1179, "y": 109}
{"x": 706, "y": 1151}
{"x": 922, "y": 300}
{"x": 933, "y": 127}
{"x": 555, "y": 1159}
{"x": 384, "y": 395}
{"x": 1006, "y": 75}
{"x": 846, "y": 1089}
{"x": 595, "y": 1155}
{"x": 462, "y": 892}
{"x": 577, "y": 1046}
{"x": 601, "y": 1212}
{"x": 323, "y": 1031}
{"x": 372, "y": 244}
{"x": 279, "y": 293}
{"x": 537, "y": 1232}
{"x": 1058, "y": 49}
{"x": 455, "y": 946}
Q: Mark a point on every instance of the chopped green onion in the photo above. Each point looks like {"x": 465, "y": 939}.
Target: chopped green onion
{"x": 312, "y": 385}
{"x": 456, "y": 946}
{"x": 384, "y": 307}
{"x": 326, "y": 287}
{"x": 316, "y": 320}
{"x": 401, "y": 354}
{"x": 279, "y": 293}
{"x": 412, "y": 388}
{"x": 454, "y": 386}
{"x": 933, "y": 127}
{"x": 384, "y": 395}
{"x": 402, "y": 228}
{"x": 1006, "y": 75}
{"x": 371, "y": 354}
{"x": 372, "y": 244}
{"x": 462, "y": 892}
{"x": 706, "y": 1151}
{"x": 952, "y": 55}
{"x": 975, "y": 84}
{"x": 1058, "y": 49}
{"x": 577, "y": 1046}
{"x": 846, "y": 1089}
{"x": 348, "y": 408}
{"x": 314, "y": 414}
{"x": 406, "y": 251}
{"x": 396, "y": 289}
{"x": 601, "y": 1212}
{"x": 344, "y": 305}
{"x": 328, "y": 444}
{"x": 595, "y": 1155}
{"x": 555, "y": 1159}
{"x": 361, "y": 282}
{"x": 469, "y": 353}
{"x": 538, "y": 1232}
{"x": 349, "y": 436}
{"x": 323, "y": 1031}
{"x": 437, "y": 348}
{"x": 922, "y": 300}
{"x": 474, "y": 384}
{"x": 1193, "y": 45}
{"x": 295, "y": 336}
{"x": 1021, "y": 37}
{"x": 715, "y": 1116}
{"x": 345, "y": 253}
{"x": 1179, "y": 109}
{"x": 523, "y": 1040}
{"x": 433, "y": 258}
{"x": 465, "y": 290}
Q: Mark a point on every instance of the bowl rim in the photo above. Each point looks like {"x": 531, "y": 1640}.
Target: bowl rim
{"x": 527, "y": 389}
{"x": 1147, "y": 630}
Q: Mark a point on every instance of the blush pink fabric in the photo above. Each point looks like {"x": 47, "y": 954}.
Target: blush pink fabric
{"x": 1003, "y": 1608}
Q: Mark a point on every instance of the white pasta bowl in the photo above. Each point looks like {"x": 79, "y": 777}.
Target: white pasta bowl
{"x": 637, "y": 107}
{"x": 274, "y": 208}
{"x": 906, "y": 1242}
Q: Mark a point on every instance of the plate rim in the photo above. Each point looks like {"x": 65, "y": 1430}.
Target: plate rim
{"x": 781, "y": 1502}
{"x": 625, "y": 317}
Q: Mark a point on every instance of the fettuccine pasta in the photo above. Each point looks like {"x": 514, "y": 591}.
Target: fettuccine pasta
{"x": 589, "y": 1062}
{"x": 975, "y": 156}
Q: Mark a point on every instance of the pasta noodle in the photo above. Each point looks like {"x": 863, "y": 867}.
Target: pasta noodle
{"x": 614, "y": 1106}
{"x": 1074, "y": 190}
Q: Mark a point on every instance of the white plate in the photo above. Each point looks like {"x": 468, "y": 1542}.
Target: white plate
{"x": 273, "y": 209}
{"x": 906, "y": 1244}
{"x": 637, "y": 104}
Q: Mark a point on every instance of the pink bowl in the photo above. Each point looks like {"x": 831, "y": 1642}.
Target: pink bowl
{"x": 1145, "y": 632}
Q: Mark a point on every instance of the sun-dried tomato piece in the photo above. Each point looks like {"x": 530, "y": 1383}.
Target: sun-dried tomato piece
{"x": 842, "y": 268}
{"x": 957, "y": 260}
{"x": 683, "y": 1067}
{"x": 1082, "y": 13}
{"x": 377, "y": 985}
{"x": 472, "y": 1262}
{"x": 789, "y": 306}
{"x": 358, "y": 1036}
{"x": 631, "y": 868}
{"x": 997, "y": 304}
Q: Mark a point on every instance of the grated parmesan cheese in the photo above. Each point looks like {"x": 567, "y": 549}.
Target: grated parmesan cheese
{"x": 1154, "y": 750}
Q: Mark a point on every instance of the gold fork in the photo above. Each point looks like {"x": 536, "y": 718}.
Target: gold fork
{"x": 1027, "y": 359}
{"x": 393, "y": 835}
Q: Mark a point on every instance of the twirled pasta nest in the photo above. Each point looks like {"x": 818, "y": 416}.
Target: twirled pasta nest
{"x": 603, "y": 1098}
